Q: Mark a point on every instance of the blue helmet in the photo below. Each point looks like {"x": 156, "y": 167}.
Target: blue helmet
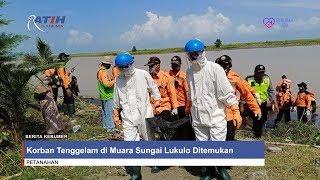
{"x": 194, "y": 45}
{"x": 124, "y": 59}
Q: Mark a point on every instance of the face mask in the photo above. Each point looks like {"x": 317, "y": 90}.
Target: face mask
{"x": 175, "y": 67}
{"x": 153, "y": 69}
{"x": 199, "y": 62}
{"x": 128, "y": 71}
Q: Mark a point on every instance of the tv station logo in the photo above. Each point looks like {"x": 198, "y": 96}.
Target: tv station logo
{"x": 45, "y": 22}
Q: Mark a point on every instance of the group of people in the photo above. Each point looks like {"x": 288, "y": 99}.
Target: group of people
{"x": 47, "y": 95}
{"x": 304, "y": 103}
{"x": 215, "y": 97}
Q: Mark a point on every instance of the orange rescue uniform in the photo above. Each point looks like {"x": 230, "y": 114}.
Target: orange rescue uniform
{"x": 49, "y": 72}
{"x": 105, "y": 78}
{"x": 181, "y": 86}
{"x": 303, "y": 100}
{"x": 65, "y": 77}
{"x": 245, "y": 91}
{"x": 167, "y": 91}
{"x": 284, "y": 99}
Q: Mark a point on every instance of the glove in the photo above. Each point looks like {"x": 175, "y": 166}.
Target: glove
{"x": 237, "y": 120}
{"x": 308, "y": 113}
{"x": 174, "y": 111}
{"x": 258, "y": 116}
{"x": 275, "y": 108}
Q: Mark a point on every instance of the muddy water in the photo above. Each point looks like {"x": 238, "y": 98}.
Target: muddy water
{"x": 298, "y": 63}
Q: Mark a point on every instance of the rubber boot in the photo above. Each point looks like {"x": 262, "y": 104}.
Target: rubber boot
{"x": 155, "y": 169}
{"x": 136, "y": 173}
{"x": 206, "y": 173}
{"x": 223, "y": 173}
{"x": 65, "y": 109}
{"x": 71, "y": 110}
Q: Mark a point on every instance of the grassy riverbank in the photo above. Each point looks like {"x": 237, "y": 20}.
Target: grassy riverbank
{"x": 247, "y": 45}
{"x": 293, "y": 162}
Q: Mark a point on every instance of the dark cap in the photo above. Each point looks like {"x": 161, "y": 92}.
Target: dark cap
{"x": 259, "y": 68}
{"x": 153, "y": 60}
{"x": 175, "y": 60}
{"x": 303, "y": 85}
{"x": 63, "y": 55}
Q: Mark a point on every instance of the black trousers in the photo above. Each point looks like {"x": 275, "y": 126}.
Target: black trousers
{"x": 283, "y": 112}
{"x": 301, "y": 114}
{"x": 67, "y": 99}
{"x": 231, "y": 131}
{"x": 55, "y": 93}
{"x": 258, "y": 125}
{"x": 313, "y": 106}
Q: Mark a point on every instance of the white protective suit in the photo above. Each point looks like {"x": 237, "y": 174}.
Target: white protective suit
{"x": 210, "y": 92}
{"x": 131, "y": 94}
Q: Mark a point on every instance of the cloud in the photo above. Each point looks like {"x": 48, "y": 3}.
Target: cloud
{"x": 79, "y": 38}
{"x": 302, "y": 24}
{"x": 244, "y": 29}
{"x": 158, "y": 27}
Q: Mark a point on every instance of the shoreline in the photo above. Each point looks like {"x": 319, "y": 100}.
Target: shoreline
{"x": 230, "y": 46}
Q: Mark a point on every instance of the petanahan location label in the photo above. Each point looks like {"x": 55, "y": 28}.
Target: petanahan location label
{"x": 143, "y": 153}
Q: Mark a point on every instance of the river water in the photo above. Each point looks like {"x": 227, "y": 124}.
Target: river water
{"x": 298, "y": 63}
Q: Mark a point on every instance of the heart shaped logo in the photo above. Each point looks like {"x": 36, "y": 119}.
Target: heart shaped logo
{"x": 269, "y": 22}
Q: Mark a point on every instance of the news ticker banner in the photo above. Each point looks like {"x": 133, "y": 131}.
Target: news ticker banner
{"x": 143, "y": 153}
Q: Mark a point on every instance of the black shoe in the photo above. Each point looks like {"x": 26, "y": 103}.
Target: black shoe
{"x": 135, "y": 172}
{"x": 206, "y": 173}
{"x": 155, "y": 169}
{"x": 223, "y": 173}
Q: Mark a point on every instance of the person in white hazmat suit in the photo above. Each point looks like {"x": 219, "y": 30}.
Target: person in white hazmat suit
{"x": 132, "y": 92}
{"x": 210, "y": 92}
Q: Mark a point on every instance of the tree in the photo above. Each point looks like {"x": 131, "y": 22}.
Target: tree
{"x": 218, "y": 43}
{"x": 134, "y": 49}
{"x": 16, "y": 72}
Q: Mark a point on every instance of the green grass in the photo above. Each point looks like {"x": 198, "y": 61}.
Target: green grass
{"x": 294, "y": 162}
{"x": 291, "y": 163}
{"x": 245, "y": 45}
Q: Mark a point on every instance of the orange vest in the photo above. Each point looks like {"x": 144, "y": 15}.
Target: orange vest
{"x": 181, "y": 86}
{"x": 167, "y": 91}
{"x": 303, "y": 100}
{"x": 284, "y": 99}
{"x": 245, "y": 91}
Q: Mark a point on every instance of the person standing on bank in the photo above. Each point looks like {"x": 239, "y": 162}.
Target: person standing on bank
{"x": 210, "y": 93}
{"x": 242, "y": 86}
{"x": 132, "y": 93}
{"x": 261, "y": 83}
{"x": 179, "y": 77}
{"x": 105, "y": 88}
{"x": 303, "y": 102}
{"x": 68, "y": 98}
